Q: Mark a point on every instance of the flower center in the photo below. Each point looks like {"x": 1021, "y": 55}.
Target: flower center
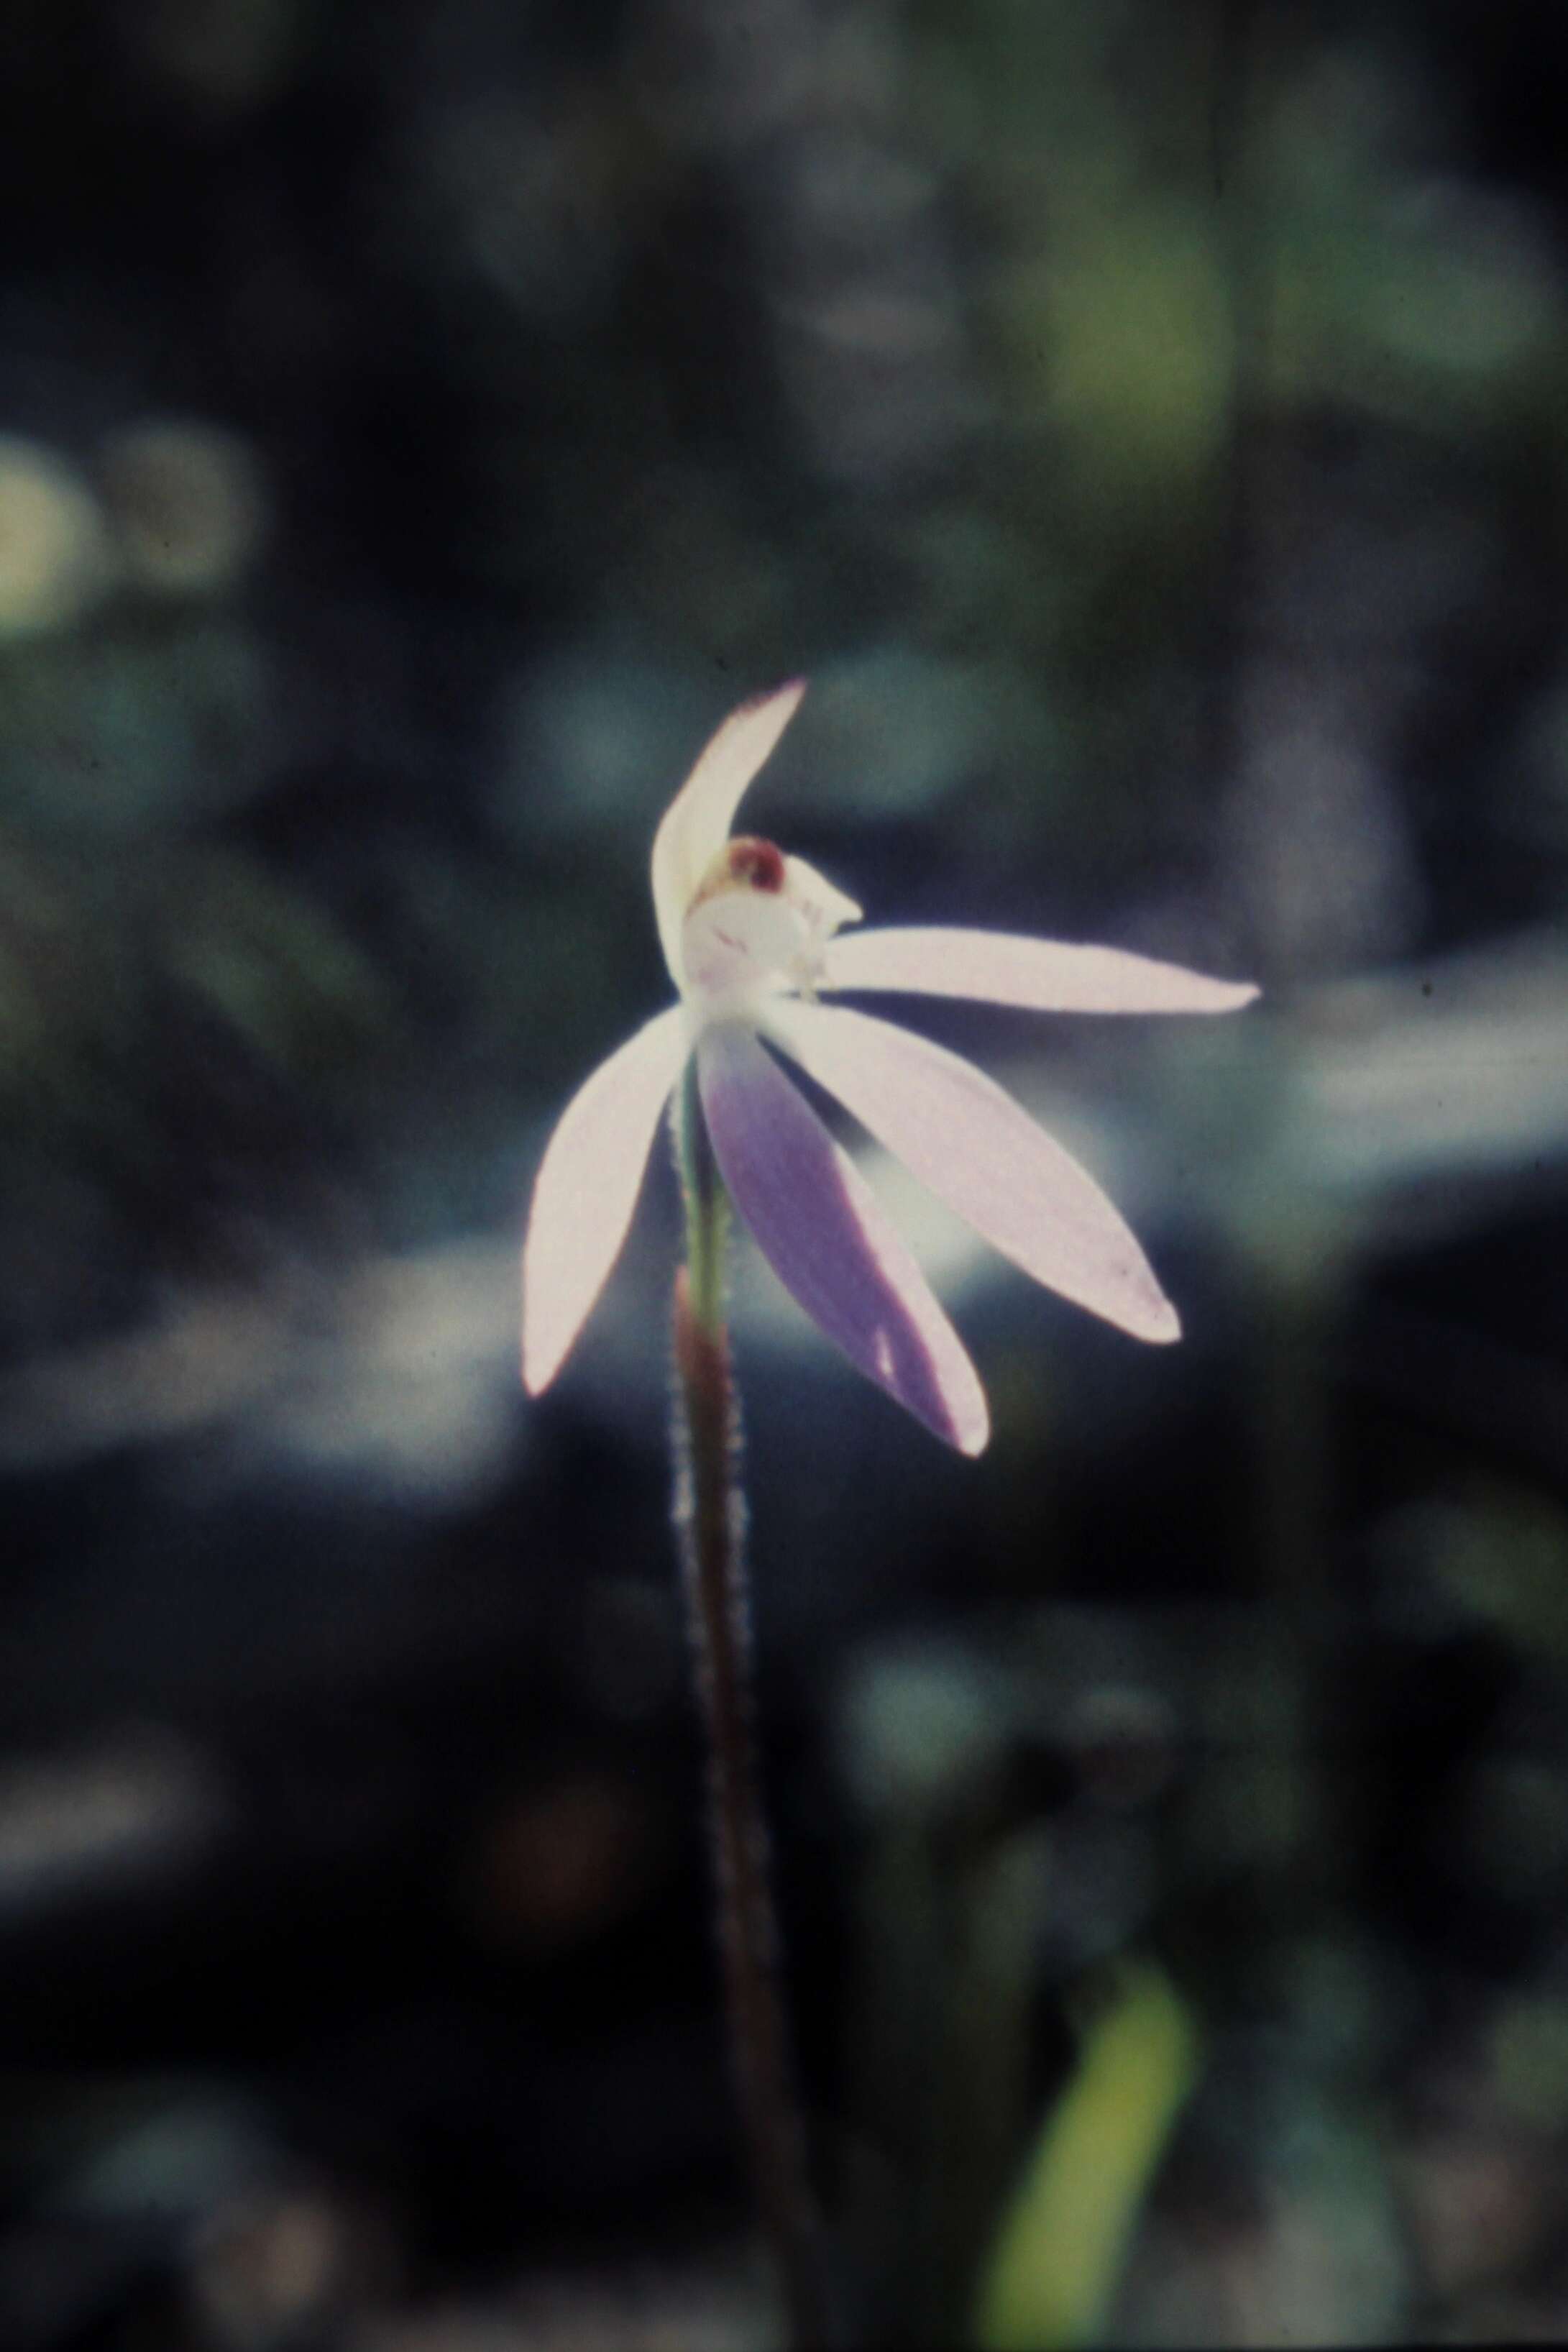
{"x": 755, "y": 926}
{"x": 746, "y": 863}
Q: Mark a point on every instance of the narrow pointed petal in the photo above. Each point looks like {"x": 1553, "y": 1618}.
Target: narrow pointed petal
{"x": 830, "y": 1241}
{"x": 696, "y": 824}
{"x": 587, "y": 1187}
{"x": 1039, "y": 975}
{"x": 955, "y": 1129}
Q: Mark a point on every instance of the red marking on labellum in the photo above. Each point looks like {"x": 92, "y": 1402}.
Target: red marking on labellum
{"x": 756, "y": 863}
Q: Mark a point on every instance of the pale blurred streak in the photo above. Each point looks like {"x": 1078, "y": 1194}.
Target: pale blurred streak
{"x": 396, "y": 1373}
{"x": 1441, "y": 1075}
{"x": 117, "y": 1813}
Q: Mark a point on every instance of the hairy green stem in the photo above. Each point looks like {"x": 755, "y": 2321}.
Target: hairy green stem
{"x": 710, "y": 1519}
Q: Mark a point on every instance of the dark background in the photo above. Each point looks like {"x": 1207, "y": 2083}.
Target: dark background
{"x": 1144, "y": 422}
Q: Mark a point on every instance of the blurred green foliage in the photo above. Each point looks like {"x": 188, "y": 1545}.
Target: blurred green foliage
{"x": 1057, "y": 2263}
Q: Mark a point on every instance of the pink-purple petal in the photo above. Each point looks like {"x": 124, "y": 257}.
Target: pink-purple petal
{"x": 587, "y": 1187}
{"x": 1037, "y": 975}
{"x": 955, "y": 1129}
{"x": 830, "y": 1241}
{"x": 696, "y": 824}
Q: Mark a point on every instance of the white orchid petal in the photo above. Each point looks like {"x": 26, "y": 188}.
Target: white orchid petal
{"x": 955, "y": 1129}
{"x": 829, "y": 1239}
{"x": 1038, "y": 975}
{"x": 696, "y": 824}
{"x": 587, "y": 1187}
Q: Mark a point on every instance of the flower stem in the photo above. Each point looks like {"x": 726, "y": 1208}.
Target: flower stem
{"x": 710, "y": 1515}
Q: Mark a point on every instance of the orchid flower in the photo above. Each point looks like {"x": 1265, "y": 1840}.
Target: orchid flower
{"x": 752, "y": 940}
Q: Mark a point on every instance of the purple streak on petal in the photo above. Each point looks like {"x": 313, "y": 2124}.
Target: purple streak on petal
{"x": 696, "y": 824}
{"x": 955, "y": 1129}
{"x": 829, "y": 1239}
{"x": 587, "y": 1187}
{"x": 1039, "y": 975}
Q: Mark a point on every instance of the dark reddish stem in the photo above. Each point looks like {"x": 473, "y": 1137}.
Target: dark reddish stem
{"x": 710, "y": 1515}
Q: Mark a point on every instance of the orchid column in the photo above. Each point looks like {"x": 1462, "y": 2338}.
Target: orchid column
{"x": 751, "y": 939}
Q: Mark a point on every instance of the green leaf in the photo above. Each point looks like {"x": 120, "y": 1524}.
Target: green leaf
{"x": 1059, "y": 2254}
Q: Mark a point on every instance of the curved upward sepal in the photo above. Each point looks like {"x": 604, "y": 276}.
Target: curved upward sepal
{"x": 696, "y": 824}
